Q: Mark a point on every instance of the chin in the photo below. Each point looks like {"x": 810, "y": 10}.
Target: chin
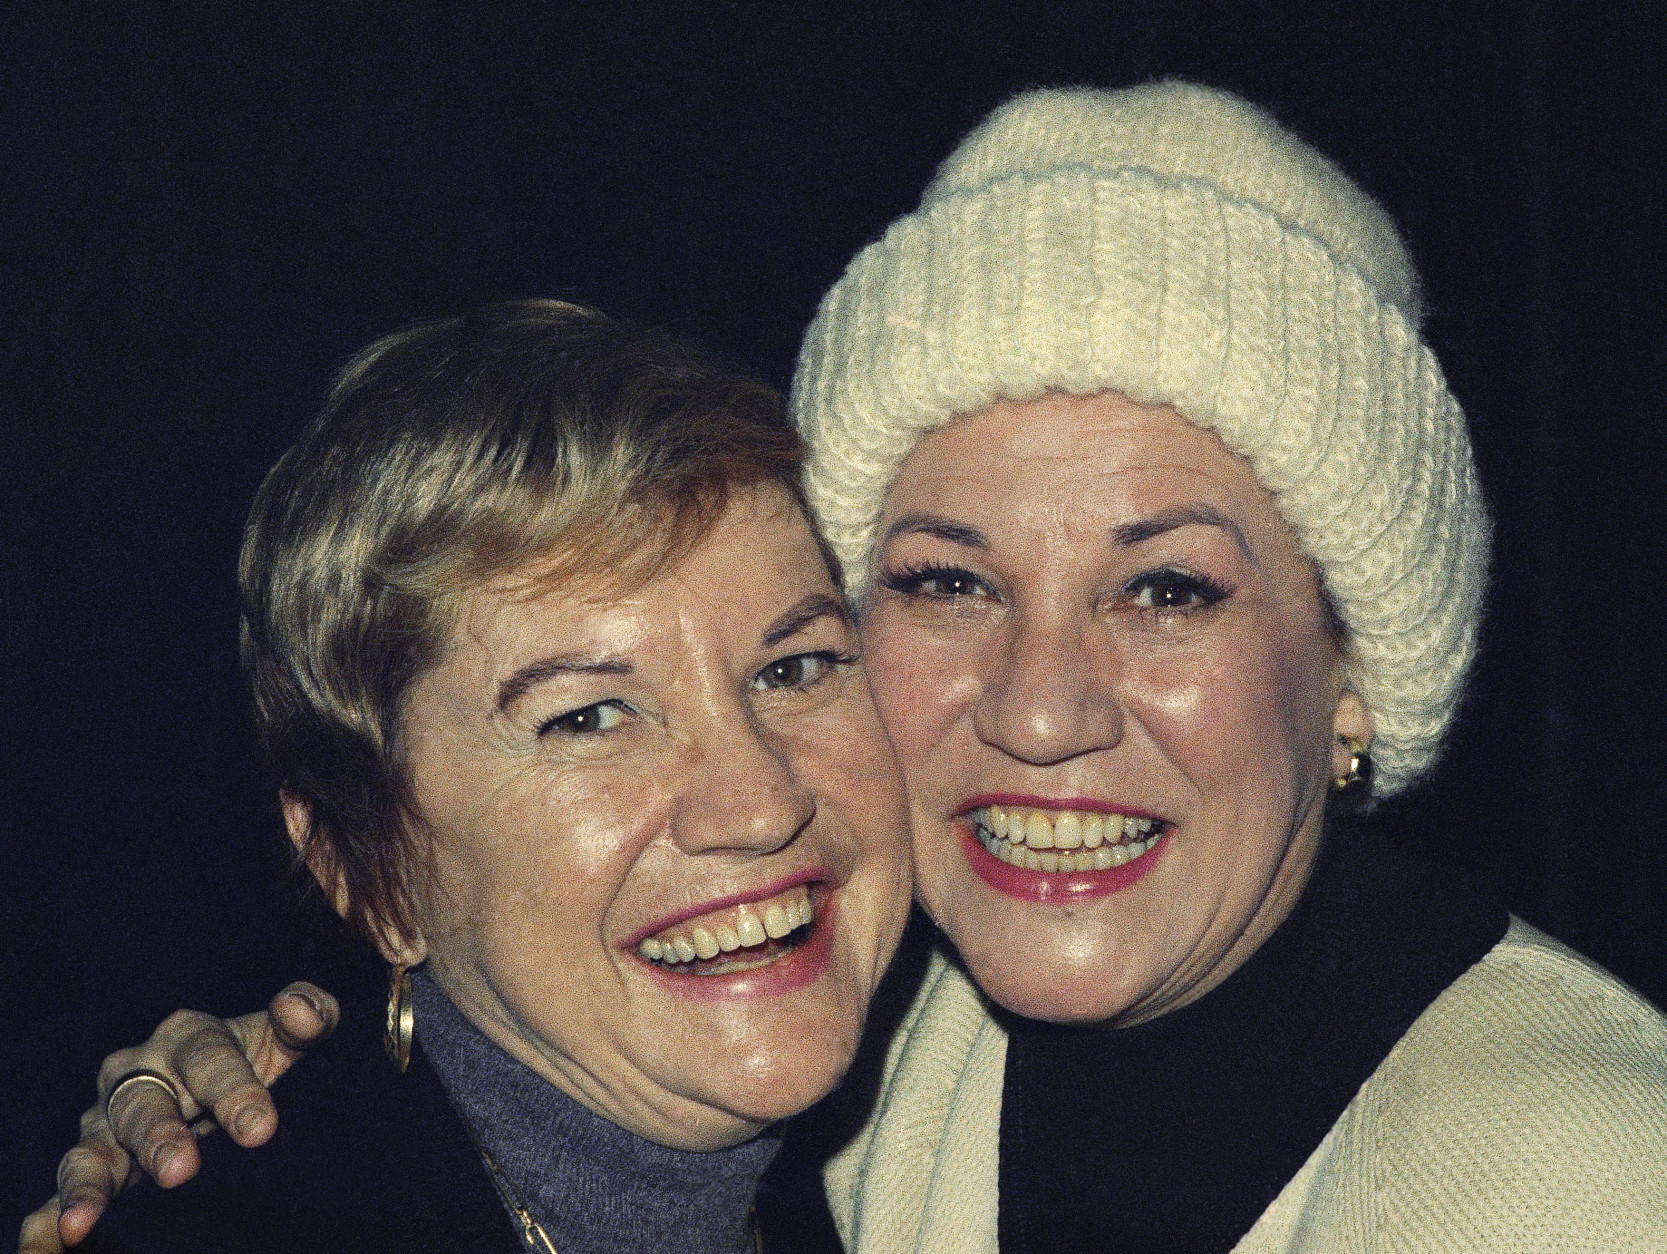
{"x": 1056, "y": 993}
{"x": 775, "y": 1083}
{"x": 1082, "y": 969}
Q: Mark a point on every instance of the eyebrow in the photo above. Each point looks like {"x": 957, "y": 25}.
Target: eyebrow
{"x": 1127, "y": 534}
{"x": 791, "y": 623}
{"x": 557, "y": 664}
{"x": 1181, "y": 516}
{"x": 802, "y": 615}
{"x": 936, "y": 525}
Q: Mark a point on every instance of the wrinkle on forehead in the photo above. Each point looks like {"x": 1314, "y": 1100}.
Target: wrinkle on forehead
{"x": 1064, "y": 429}
{"x": 1149, "y": 459}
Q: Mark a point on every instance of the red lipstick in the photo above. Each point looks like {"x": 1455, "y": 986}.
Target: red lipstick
{"x": 811, "y": 876}
{"x": 804, "y": 964}
{"x": 1048, "y": 887}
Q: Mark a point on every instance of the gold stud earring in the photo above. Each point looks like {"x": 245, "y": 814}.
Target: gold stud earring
{"x": 402, "y": 1018}
{"x": 1360, "y": 764}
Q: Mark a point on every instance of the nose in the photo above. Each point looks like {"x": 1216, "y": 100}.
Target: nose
{"x": 1049, "y": 695}
{"x": 742, "y": 794}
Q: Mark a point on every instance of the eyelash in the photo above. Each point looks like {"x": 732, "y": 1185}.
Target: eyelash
{"x": 1204, "y": 590}
{"x": 831, "y": 658}
{"x": 914, "y": 580}
{"x": 570, "y": 721}
{"x": 573, "y": 717}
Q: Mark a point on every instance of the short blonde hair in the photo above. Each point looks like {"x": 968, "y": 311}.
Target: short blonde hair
{"x": 533, "y": 435}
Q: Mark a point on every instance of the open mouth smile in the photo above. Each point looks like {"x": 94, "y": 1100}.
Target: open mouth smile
{"x": 735, "y": 938}
{"x": 1063, "y": 840}
{"x": 1048, "y": 854}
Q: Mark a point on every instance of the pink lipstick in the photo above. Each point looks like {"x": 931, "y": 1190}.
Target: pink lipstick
{"x": 803, "y": 964}
{"x": 1047, "y": 887}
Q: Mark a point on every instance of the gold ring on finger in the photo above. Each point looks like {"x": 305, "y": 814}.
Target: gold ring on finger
{"x": 139, "y": 1075}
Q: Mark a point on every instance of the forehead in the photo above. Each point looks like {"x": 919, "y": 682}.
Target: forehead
{"x": 1080, "y": 436}
{"x": 757, "y": 557}
{"x": 1060, "y": 470}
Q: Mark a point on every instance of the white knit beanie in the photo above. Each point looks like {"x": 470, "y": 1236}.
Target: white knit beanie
{"x": 1175, "y": 244}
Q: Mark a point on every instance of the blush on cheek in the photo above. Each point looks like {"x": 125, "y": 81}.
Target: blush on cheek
{"x": 1179, "y": 702}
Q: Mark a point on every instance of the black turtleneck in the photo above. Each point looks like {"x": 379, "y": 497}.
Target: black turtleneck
{"x": 1177, "y": 1134}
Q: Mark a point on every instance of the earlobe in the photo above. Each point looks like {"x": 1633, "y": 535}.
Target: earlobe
{"x": 401, "y": 950}
{"x": 319, "y": 856}
{"x": 1352, "y": 718}
{"x": 1352, "y": 732}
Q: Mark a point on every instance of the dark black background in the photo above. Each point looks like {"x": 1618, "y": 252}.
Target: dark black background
{"x": 206, "y": 209}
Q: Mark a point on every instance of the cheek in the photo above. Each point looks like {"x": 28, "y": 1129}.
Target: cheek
{"x": 847, "y": 760}
{"x": 849, "y": 767}
{"x": 1254, "y": 714}
{"x": 921, "y": 684}
{"x": 537, "y": 862}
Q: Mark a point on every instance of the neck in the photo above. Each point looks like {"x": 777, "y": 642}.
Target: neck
{"x": 591, "y": 1184}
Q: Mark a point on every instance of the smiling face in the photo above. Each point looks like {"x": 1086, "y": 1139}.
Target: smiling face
{"x": 1103, "y": 661}
{"x": 691, "y": 769}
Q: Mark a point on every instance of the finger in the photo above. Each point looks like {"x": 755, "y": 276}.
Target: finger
{"x": 210, "y": 1061}
{"x": 40, "y": 1233}
{"x": 92, "y": 1173}
{"x": 77, "y": 1219}
{"x": 271, "y": 1042}
{"x": 156, "y": 1055}
{"x": 302, "y": 1015}
{"x": 145, "y": 1120}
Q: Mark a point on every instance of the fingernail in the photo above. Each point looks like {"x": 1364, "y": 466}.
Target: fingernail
{"x": 246, "y": 1120}
{"x": 312, "y": 1001}
{"x": 163, "y": 1156}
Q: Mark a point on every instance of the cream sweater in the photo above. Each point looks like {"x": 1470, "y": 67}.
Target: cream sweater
{"x": 1525, "y": 1110}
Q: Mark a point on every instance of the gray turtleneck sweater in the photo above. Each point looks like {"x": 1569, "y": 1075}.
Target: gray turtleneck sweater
{"x": 593, "y": 1186}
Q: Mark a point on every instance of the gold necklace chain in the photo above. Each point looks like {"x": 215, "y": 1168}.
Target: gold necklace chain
{"x": 532, "y": 1232}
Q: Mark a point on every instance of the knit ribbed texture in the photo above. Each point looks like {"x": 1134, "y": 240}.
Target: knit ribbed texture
{"x": 1174, "y": 244}
{"x": 595, "y": 1187}
{"x": 932, "y": 1132}
{"x": 1525, "y": 1112}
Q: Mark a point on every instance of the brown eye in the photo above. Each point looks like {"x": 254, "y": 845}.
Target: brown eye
{"x": 944, "y": 583}
{"x": 1173, "y": 590}
{"x": 801, "y": 670}
{"x": 588, "y": 720}
{"x": 1164, "y": 596}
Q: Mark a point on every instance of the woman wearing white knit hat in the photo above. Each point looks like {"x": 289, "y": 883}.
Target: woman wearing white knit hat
{"x": 1168, "y": 545}
{"x": 1163, "y": 525}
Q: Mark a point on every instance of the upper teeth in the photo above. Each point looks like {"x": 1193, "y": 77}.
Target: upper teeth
{"x": 725, "y": 931}
{"x": 1063, "y": 840}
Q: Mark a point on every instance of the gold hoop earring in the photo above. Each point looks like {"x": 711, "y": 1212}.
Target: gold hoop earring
{"x": 402, "y": 1018}
{"x": 1360, "y": 764}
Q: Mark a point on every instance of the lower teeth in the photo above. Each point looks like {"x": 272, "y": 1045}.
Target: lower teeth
{"x": 740, "y": 959}
{"x": 1102, "y": 859}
